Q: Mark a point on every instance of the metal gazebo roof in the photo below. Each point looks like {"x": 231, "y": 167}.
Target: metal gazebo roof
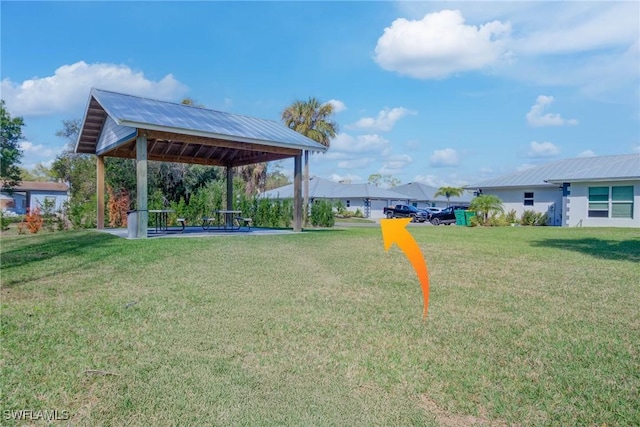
{"x": 183, "y": 133}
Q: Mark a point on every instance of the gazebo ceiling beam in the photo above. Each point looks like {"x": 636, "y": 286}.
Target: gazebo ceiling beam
{"x": 153, "y": 146}
{"x": 212, "y": 152}
{"x": 260, "y": 159}
{"x": 151, "y": 134}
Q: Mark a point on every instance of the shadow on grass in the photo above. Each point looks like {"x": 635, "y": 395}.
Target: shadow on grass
{"x": 322, "y": 230}
{"x": 622, "y": 250}
{"x": 32, "y": 251}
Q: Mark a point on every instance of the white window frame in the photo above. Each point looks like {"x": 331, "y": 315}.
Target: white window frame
{"x": 610, "y": 202}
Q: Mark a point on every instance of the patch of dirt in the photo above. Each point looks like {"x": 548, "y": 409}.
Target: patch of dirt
{"x": 446, "y": 419}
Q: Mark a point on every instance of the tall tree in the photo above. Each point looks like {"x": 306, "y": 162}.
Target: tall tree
{"x": 254, "y": 176}
{"x": 79, "y": 170}
{"x": 39, "y": 173}
{"x": 312, "y": 119}
{"x": 10, "y": 152}
{"x": 448, "y": 192}
{"x": 485, "y": 204}
{"x": 388, "y": 181}
{"x": 275, "y": 178}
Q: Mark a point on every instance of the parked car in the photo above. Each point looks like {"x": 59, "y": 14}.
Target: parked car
{"x": 406, "y": 211}
{"x": 431, "y": 211}
{"x": 446, "y": 216}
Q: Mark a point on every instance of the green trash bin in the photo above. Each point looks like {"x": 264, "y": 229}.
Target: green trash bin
{"x": 460, "y": 218}
{"x": 467, "y": 217}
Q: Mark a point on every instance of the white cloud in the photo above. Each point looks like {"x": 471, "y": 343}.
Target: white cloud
{"x": 590, "y": 45}
{"x": 372, "y": 143}
{"x": 587, "y": 153}
{"x": 350, "y": 178}
{"x": 440, "y": 44}
{"x": 69, "y": 88}
{"x": 355, "y": 163}
{"x": 395, "y": 164}
{"x": 542, "y": 149}
{"x": 535, "y": 116}
{"x": 446, "y": 157}
{"x": 338, "y": 105}
{"x": 355, "y": 152}
{"x": 583, "y": 28}
{"x": 39, "y": 150}
{"x": 38, "y": 153}
{"x": 385, "y": 120}
{"x": 431, "y": 180}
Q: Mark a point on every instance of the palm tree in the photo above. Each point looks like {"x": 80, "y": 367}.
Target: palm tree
{"x": 486, "y": 203}
{"x": 312, "y": 119}
{"x": 254, "y": 176}
{"x": 448, "y": 192}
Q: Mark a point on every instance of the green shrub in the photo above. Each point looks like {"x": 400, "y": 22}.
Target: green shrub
{"x": 49, "y": 217}
{"x": 322, "y": 214}
{"x": 4, "y": 222}
{"x": 358, "y": 213}
{"x": 476, "y": 221}
{"x": 340, "y": 208}
{"x": 83, "y": 214}
{"x": 269, "y": 213}
{"x": 496, "y": 220}
{"x": 511, "y": 217}
{"x": 533, "y": 218}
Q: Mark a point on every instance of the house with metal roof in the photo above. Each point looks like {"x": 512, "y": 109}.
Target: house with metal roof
{"x": 424, "y": 196}
{"x": 34, "y": 194}
{"x": 589, "y": 191}
{"x": 367, "y": 198}
{"x": 121, "y": 125}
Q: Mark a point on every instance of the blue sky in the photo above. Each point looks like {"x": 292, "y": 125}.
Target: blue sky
{"x": 445, "y": 93}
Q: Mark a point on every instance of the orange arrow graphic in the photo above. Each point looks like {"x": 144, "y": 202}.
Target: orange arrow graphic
{"x": 394, "y": 231}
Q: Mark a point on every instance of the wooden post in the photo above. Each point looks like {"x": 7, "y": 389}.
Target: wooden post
{"x": 305, "y": 212}
{"x": 100, "y": 191}
{"x": 229, "y": 218}
{"x": 297, "y": 193}
{"x": 141, "y": 178}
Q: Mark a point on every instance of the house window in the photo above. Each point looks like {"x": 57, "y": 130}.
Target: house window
{"x": 611, "y": 202}
{"x": 598, "y": 202}
{"x": 622, "y": 202}
{"x": 348, "y": 203}
{"x": 528, "y": 199}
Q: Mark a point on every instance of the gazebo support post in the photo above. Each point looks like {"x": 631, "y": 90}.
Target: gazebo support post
{"x": 229, "y": 218}
{"x": 100, "y": 192}
{"x": 297, "y": 193}
{"x": 141, "y": 178}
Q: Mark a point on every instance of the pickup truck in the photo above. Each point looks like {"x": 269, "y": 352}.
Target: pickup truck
{"x": 406, "y": 211}
{"x": 446, "y": 216}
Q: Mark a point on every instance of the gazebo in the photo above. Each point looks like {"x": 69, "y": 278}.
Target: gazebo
{"x": 120, "y": 125}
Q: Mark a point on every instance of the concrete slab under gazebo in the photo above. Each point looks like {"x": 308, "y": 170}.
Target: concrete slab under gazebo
{"x": 121, "y": 125}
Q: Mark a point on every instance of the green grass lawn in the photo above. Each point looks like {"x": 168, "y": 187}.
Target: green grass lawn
{"x": 526, "y": 326}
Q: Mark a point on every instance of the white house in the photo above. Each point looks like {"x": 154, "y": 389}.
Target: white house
{"x": 367, "y": 198}
{"x": 424, "y": 196}
{"x": 32, "y": 194}
{"x": 590, "y": 191}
